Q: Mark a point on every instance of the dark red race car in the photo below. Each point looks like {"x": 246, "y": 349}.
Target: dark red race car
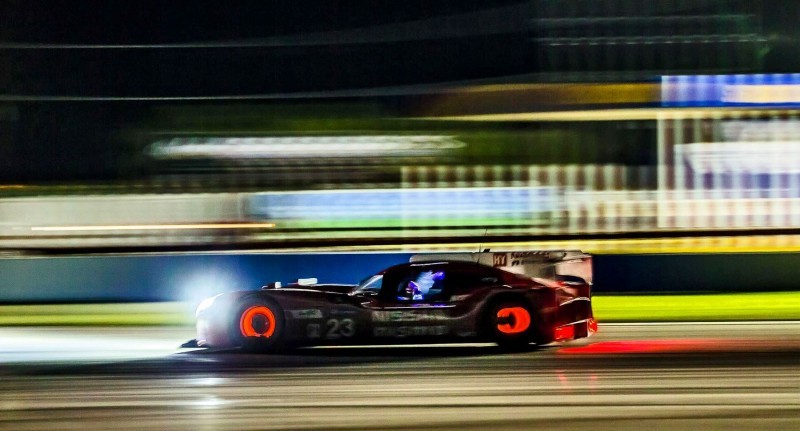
{"x": 510, "y": 298}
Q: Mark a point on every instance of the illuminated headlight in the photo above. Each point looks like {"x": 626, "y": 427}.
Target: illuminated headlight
{"x": 205, "y": 304}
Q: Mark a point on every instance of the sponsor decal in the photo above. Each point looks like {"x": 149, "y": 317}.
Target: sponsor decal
{"x": 338, "y": 328}
{"x": 524, "y": 254}
{"x": 338, "y": 312}
{"x": 521, "y": 258}
{"x": 409, "y": 331}
{"x": 310, "y": 313}
{"x": 313, "y": 330}
{"x": 529, "y": 261}
{"x": 408, "y": 316}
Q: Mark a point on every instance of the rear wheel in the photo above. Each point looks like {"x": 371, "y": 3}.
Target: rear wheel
{"x": 510, "y": 325}
{"x": 258, "y": 326}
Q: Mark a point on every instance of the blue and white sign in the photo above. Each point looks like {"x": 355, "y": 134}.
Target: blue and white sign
{"x": 502, "y": 203}
{"x": 759, "y": 90}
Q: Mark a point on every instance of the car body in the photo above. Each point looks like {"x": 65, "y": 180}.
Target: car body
{"x": 511, "y": 298}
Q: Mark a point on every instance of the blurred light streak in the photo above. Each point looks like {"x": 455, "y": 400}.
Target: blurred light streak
{"x": 303, "y": 147}
{"x": 562, "y": 378}
{"x": 687, "y": 244}
{"x": 154, "y": 227}
{"x": 624, "y": 114}
{"x": 577, "y": 93}
{"x": 210, "y": 402}
{"x": 54, "y": 344}
{"x": 498, "y": 98}
{"x": 207, "y": 381}
{"x": 708, "y": 323}
{"x": 654, "y": 346}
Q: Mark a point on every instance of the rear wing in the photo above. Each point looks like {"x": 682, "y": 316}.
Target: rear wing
{"x": 561, "y": 265}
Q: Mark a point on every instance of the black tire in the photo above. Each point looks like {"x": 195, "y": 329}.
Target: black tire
{"x": 540, "y": 338}
{"x": 510, "y": 324}
{"x": 258, "y": 325}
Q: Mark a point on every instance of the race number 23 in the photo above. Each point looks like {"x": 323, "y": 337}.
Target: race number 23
{"x": 338, "y": 328}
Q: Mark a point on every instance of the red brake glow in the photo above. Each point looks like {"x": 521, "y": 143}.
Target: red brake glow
{"x": 518, "y": 318}
{"x": 257, "y": 312}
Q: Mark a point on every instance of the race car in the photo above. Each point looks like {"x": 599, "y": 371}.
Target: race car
{"x": 509, "y": 298}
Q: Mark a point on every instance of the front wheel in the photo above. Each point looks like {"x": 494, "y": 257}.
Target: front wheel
{"x": 258, "y": 326}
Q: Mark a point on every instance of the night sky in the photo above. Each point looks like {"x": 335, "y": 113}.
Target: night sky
{"x": 165, "y": 49}
{"x": 74, "y": 76}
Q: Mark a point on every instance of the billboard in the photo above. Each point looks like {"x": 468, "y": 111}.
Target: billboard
{"x": 398, "y": 208}
{"x": 756, "y": 90}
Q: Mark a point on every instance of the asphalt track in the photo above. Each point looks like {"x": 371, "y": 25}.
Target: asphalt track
{"x": 638, "y": 377}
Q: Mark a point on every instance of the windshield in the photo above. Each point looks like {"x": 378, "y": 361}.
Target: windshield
{"x": 370, "y": 286}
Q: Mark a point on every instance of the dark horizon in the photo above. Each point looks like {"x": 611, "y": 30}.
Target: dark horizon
{"x": 78, "y": 77}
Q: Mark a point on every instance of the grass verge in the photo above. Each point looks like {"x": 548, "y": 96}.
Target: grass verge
{"x": 134, "y": 314}
{"x": 712, "y": 307}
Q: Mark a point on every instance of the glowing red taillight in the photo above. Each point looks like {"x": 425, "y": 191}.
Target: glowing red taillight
{"x": 564, "y": 333}
{"x": 592, "y": 325}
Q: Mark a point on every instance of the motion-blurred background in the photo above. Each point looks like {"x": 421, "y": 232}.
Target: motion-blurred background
{"x": 618, "y": 127}
{"x": 146, "y": 125}
{"x": 153, "y": 153}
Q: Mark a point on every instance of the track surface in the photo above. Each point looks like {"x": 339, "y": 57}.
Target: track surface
{"x": 654, "y": 376}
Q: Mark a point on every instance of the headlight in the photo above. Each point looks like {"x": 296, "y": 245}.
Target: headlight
{"x": 205, "y": 304}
